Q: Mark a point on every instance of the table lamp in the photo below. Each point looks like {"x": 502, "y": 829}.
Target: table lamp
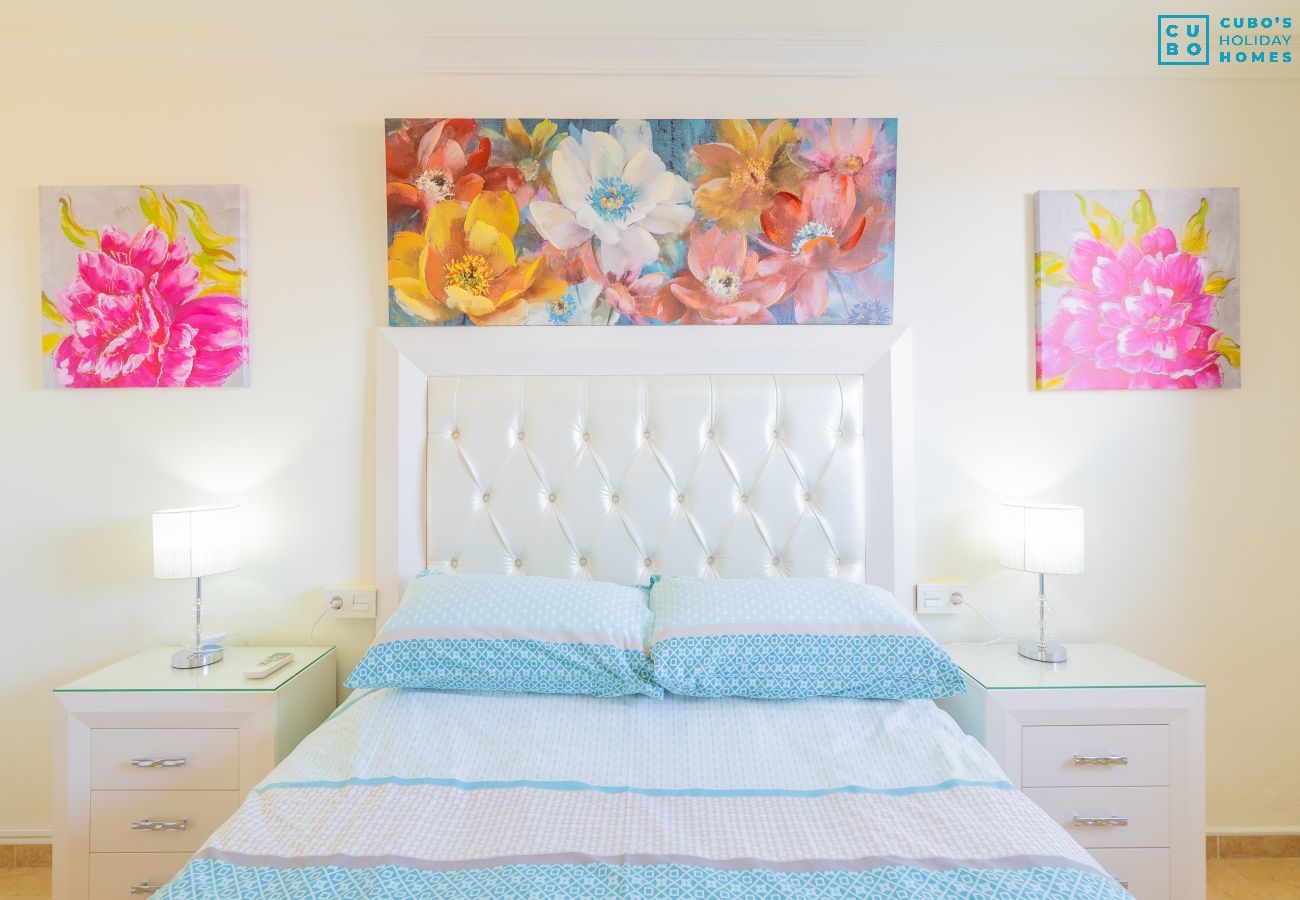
{"x": 192, "y": 543}
{"x": 1046, "y": 539}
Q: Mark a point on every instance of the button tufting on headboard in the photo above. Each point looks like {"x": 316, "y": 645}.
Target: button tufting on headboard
{"x": 611, "y": 477}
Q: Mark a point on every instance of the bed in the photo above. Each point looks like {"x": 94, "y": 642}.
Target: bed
{"x": 545, "y": 458}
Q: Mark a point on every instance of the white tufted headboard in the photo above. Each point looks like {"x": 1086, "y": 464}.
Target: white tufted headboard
{"x": 553, "y": 455}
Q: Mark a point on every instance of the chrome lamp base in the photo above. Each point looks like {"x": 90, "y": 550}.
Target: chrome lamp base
{"x": 1048, "y": 652}
{"x": 187, "y": 658}
{"x": 203, "y": 651}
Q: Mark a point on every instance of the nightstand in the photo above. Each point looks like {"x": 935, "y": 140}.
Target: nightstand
{"x": 149, "y": 760}
{"x": 1110, "y": 745}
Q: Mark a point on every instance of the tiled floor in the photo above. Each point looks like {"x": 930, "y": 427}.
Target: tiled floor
{"x": 1252, "y": 879}
{"x": 1229, "y": 879}
{"x": 24, "y": 884}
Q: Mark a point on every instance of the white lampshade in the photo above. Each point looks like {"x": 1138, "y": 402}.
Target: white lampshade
{"x": 1043, "y": 538}
{"x": 191, "y": 543}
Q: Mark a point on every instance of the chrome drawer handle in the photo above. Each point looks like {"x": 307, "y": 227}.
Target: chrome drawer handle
{"x": 150, "y": 825}
{"x": 1101, "y": 760}
{"x": 1124, "y": 884}
{"x": 145, "y": 887}
{"x": 153, "y": 762}
{"x": 1104, "y": 821}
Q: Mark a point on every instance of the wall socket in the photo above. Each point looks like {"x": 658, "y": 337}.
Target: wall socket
{"x": 938, "y": 599}
{"x": 348, "y": 601}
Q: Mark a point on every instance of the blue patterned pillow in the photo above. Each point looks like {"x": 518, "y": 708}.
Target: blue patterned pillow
{"x": 792, "y": 637}
{"x": 513, "y": 633}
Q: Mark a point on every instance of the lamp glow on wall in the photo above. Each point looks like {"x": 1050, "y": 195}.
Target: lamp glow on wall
{"x": 193, "y": 543}
{"x": 1047, "y": 539}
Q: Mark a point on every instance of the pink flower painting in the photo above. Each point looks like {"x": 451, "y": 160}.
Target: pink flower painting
{"x": 1138, "y": 290}
{"x": 143, "y": 287}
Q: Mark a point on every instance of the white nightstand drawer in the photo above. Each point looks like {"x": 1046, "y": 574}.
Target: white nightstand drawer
{"x": 1146, "y": 869}
{"x": 1064, "y": 755}
{"x": 1139, "y": 816}
{"x": 159, "y": 759}
{"x": 113, "y": 875}
{"x": 151, "y": 821}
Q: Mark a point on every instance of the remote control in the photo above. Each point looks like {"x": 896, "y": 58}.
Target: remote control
{"x": 269, "y": 665}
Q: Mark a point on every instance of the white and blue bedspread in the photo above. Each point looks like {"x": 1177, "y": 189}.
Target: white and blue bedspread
{"x": 410, "y": 794}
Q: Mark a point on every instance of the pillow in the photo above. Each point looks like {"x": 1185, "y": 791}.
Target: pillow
{"x": 513, "y": 633}
{"x": 792, "y": 637}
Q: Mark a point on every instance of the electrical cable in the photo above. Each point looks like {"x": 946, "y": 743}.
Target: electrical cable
{"x": 962, "y": 601}
{"x": 335, "y": 604}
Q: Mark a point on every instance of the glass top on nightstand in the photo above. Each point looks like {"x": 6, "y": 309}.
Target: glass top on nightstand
{"x": 151, "y": 670}
{"x": 998, "y": 667}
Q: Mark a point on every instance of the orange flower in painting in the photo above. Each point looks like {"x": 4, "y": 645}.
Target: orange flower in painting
{"x": 744, "y": 170}
{"x": 464, "y": 264}
{"x": 431, "y": 160}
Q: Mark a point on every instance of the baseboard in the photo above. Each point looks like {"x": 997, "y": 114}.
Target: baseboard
{"x": 1260, "y": 844}
{"x": 26, "y": 835}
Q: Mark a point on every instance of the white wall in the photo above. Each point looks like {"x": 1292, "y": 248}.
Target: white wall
{"x": 1189, "y": 497}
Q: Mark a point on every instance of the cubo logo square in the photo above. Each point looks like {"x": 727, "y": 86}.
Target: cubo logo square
{"x": 1183, "y": 40}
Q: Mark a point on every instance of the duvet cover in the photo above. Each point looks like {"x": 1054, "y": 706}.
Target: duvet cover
{"x": 412, "y": 794}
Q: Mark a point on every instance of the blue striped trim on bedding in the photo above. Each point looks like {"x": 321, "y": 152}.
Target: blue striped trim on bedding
{"x": 506, "y": 664}
{"x": 204, "y": 878}
{"x": 794, "y": 666}
{"x": 647, "y": 792}
{"x": 792, "y": 638}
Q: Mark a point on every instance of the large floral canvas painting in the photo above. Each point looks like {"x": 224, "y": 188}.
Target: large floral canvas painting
{"x": 1138, "y": 289}
{"x": 640, "y": 222}
{"x": 143, "y": 286}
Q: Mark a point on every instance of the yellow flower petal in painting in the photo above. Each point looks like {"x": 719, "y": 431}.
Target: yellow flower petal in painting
{"x": 739, "y": 133}
{"x": 218, "y": 277}
{"x": 50, "y": 311}
{"x": 492, "y": 245}
{"x": 778, "y": 135}
{"x": 1216, "y": 283}
{"x": 1195, "y": 237}
{"x": 406, "y": 260}
{"x": 159, "y": 210}
{"x": 49, "y": 342}
{"x": 505, "y": 315}
{"x": 514, "y": 131}
{"x": 543, "y": 131}
{"x": 82, "y": 237}
{"x": 496, "y": 208}
{"x": 404, "y": 255}
{"x": 1050, "y": 269}
{"x": 469, "y": 303}
{"x": 413, "y": 296}
{"x": 546, "y": 284}
{"x": 201, "y": 227}
{"x": 531, "y": 282}
{"x": 1102, "y": 222}
{"x": 1143, "y": 214}
{"x": 443, "y": 218}
{"x": 1229, "y": 350}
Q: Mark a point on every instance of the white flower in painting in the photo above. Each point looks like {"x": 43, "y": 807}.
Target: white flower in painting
{"x": 613, "y": 187}
{"x": 577, "y": 306}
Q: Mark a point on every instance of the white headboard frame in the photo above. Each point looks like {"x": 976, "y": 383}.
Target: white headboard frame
{"x": 408, "y": 358}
